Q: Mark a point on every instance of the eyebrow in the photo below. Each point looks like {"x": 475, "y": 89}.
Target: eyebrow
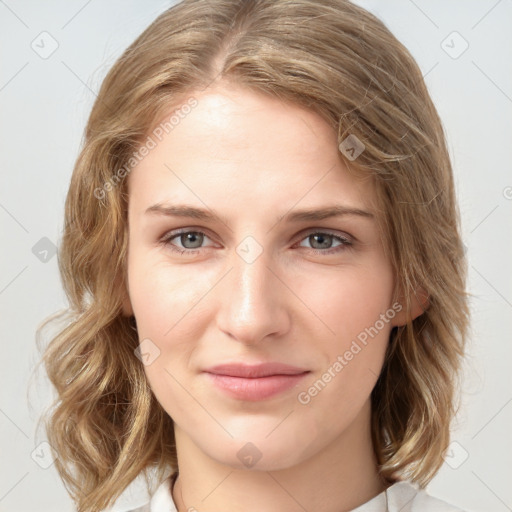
{"x": 312, "y": 214}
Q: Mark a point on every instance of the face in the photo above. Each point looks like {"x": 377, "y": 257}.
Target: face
{"x": 229, "y": 264}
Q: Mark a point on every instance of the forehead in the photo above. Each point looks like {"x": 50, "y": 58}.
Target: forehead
{"x": 246, "y": 151}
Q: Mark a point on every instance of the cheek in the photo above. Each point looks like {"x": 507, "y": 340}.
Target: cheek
{"x": 165, "y": 298}
{"x": 347, "y": 302}
{"x": 350, "y": 306}
{"x": 167, "y": 306}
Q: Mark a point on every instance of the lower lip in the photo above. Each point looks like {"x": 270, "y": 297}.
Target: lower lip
{"x": 258, "y": 388}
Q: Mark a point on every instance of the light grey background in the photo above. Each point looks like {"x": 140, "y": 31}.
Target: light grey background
{"x": 45, "y": 100}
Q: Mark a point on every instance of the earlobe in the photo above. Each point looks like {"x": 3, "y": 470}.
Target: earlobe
{"x": 419, "y": 304}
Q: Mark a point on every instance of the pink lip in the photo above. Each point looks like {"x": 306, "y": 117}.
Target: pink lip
{"x": 255, "y": 382}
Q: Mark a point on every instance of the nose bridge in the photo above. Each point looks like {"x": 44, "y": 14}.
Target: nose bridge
{"x": 252, "y": 283}
{"x": 252, "y": 301}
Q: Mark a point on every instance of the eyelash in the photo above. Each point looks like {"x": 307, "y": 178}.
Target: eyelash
{"x": 345, "y": 242}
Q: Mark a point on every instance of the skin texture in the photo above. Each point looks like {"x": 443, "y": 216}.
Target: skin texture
{"x": 251, "y": 159}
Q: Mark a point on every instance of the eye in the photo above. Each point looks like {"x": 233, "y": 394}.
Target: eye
{"x": 322, "y": 242}
{"x": 189, "y": 240}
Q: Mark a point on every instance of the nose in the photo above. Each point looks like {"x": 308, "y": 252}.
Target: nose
{"x": 253, "y": 301}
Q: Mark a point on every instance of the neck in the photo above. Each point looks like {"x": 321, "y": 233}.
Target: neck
{"x": 339, "y": 478}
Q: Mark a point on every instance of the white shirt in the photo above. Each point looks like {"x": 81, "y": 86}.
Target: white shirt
{"x": 402, "y": 497}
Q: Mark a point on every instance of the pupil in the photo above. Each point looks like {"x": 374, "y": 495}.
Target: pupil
{"x": 323, "y": 240}
{"x": 193, "y": 237}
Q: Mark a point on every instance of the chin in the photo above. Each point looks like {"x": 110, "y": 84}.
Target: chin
{"x": 257, "y": 450}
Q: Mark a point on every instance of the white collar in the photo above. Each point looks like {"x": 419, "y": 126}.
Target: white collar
{"x": 402, "y": 496}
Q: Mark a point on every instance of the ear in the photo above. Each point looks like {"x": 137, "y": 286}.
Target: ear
{"x": 419, "y": 304}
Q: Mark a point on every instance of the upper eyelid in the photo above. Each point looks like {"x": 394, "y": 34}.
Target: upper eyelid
{"x": 168, "y": 235}
{"x": 343, "y": 236}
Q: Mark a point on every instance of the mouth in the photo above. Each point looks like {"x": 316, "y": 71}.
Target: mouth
{"x": 256, "y": 382}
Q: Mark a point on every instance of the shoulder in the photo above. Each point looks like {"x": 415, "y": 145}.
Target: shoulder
{"x": 408, "y": 497}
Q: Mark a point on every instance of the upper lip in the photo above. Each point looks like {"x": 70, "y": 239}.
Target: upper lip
{"x": 254, "y": 371}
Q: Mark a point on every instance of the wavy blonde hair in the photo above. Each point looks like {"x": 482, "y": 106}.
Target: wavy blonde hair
{"x": 337, "y": 59}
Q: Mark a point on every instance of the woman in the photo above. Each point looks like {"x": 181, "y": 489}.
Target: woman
{"x": 266, "y": 277}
